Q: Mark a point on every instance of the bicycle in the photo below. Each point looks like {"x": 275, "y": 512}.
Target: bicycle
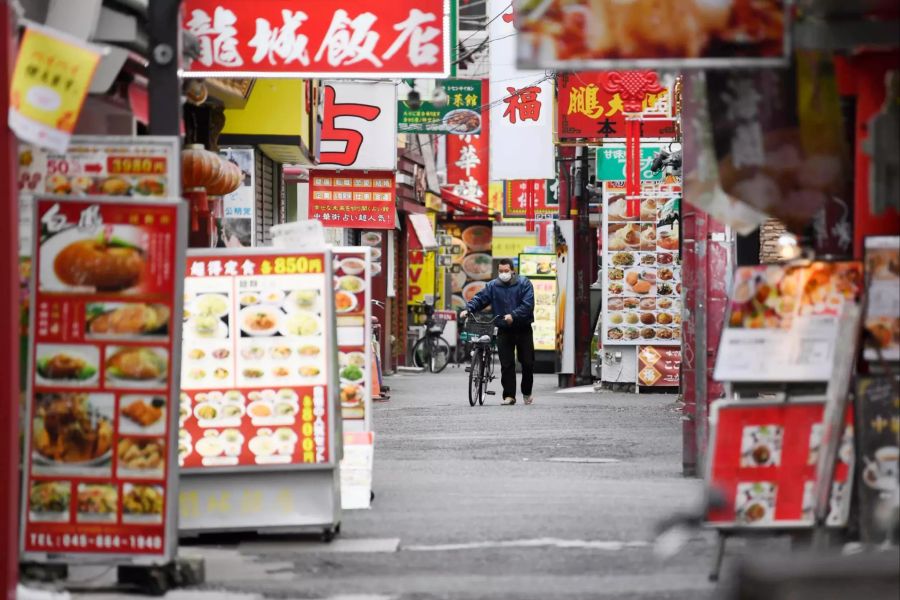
{"x": 483, "y": 336}
{"x": 432, "y": 352}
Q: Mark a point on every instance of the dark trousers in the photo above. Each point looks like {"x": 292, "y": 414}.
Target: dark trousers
{"x": 511, "y": 342}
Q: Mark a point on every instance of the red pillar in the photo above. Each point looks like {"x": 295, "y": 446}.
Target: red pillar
{"x": 9, "y": 314}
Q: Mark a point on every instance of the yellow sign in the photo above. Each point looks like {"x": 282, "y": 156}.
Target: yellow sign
{"x": 50, "y": 82}
{"x": 495, "y": 196}
{"x": 511, "y": 247}
{"x": 433, "y": 202}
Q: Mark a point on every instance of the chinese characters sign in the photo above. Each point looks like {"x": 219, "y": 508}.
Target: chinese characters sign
{"x": 461, "y": 115}
{"x": 99, "y": 469}
{"x": 255, "y": 377}
{"x": 353, "y": 199}
{"x": 611, "y": 162}
{"x": 659, "y": 367}
{"x": 521, "y": 108}
{"x": 467, "y": 166}
{"x": 50, "y": 82}
{"x": 543, "y": 197}
{"x": 320, "y": 38}
{"x": 588, "y": 111}
{"x": 358, "y": 126}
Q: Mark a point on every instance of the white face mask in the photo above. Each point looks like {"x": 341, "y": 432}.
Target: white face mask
{"x": 505, "y": 277}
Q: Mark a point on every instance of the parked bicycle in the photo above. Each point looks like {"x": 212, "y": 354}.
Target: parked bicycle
{"x": 483, "y": 337}
{"x": 432, "y": 351}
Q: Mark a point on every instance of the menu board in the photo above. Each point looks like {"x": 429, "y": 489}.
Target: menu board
{"x": 355, "y": 199}
{"x": 659, "y": 367}
{"x": 641, "y": 269}
{"x": 353, "y": 311}
{"x": 537, "y": 265}
{"x": 763, "y": 460}
{"x": 783, "y": 321}
{"x": 257, "y": 360}
{"x": 472, "y": 262}
{"x": 99, "y": 461}
{"x": 541, "y": 270}
{"x": 883, "y": 297}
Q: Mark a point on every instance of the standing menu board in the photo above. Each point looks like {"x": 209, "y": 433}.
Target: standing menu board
{"x": 783, "y": 322}
{"x": 763, "y": 460}
{"x": 353, "y": 310}
{"x": 256, "y": 367}
{"x": 641, "y": 269}
{"x": 541, "y": 270}
{"x": 100, "y": 454}
{"x": 659, "y": 367}
{"x": 883, "y": 296}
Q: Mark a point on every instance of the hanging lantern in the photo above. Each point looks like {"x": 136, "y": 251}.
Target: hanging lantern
{"x": 228, "y": 182}
{"x": 199, "y": 167}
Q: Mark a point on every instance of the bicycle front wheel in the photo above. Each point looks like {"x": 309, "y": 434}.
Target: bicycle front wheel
{"x": 422, "y": 353}
{"x": 475, "y": 380}
{"x": 440, "y": 355}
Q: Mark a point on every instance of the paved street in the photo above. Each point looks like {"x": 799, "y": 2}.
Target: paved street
{"x": 489, "y": 503}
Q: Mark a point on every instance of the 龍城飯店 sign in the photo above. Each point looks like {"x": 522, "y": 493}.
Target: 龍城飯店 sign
{"x": 352, "y": 199}
{"x": 320, "y": 38}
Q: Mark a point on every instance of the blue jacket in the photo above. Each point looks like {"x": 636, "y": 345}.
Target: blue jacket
{"x": 515, "y": 298}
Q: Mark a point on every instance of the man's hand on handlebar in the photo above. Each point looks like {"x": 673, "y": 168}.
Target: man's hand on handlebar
{"x": 463, "y": 314}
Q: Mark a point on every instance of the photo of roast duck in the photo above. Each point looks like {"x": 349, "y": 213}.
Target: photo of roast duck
{"x": 129, "y": 319}
{"x": 109, "y": 265}
{"x": 69, "y": 430}
{"x": 137, "y": 364}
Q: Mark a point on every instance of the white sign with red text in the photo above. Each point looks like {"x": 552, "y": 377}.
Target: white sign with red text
{"x": 521, "y": 108}
{"x": 320, "y": 38}
{"x": 358, "y": 126}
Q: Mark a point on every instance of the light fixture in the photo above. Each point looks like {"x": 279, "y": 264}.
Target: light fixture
{"x": 439, "y": 97}
{"x": 788, "y": 247}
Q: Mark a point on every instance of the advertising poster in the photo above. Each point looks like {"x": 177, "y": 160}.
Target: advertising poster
{"x": 565, "y": 297}
{"x": 878, "y": 411}
{"x": 472, "y": 262}
{"x": 783, "y": 321}
{"x": 540, "y": 269}
{"x": 420, "y": 267}
{"x": 588, "y": 111}
{"x": 641, "y": 270}
{"x": 611, "y": 162}
{"x": 52, "y": 76}
{"x": 882, "y": 255}
{"x": 352, "y": 199}
{"x": 632, "y": 34}
{"x": 763, "y": 460}
{"x": 468, "y": 158}
{"x": 353, "y": 311}
{"x": 237, "y": 227}
{"x": 459, "y": 116}
{"x": 659, "y": 366}
{"x": 279, "y": 38}
{"x": 543, "y": 197}
{"x": 357, "y": 126}
{"x": 258, "y": 363}
{"x": 99, "y": 464}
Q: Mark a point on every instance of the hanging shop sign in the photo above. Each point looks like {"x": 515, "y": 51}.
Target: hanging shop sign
{"x": 763, "y": 462}
{"x": 641, "y": 269}
{"x": 696, "y": 35}
{"x": 320, "y": 38}
{"x": 540, "y": 269}
{"x": 521, "y": 107}
{"x": 237, "y": 226}
{"x": 783, "y": 321}
{"x": 611, "y": 162}
{"x": 472, "y": 262}
{"x": 353, "y": 311}
{"x": 589, "y": 111}
{"x": 659, "y": 366}
{"x": 460, "y": 115}
{"x": 468, "y": 160}
{"x": 50, "y": 82}
{"x": 882, "y": 255}
{"x": 358, "y": 126}
{"x": 100, "y": 466}
{"x": 878, "y": 411}
{"x": 544, "y": 199}
{"x": 352, "y": 199}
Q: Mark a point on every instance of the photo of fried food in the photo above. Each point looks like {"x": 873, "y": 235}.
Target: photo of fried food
{"x": 127, "y": 319}
{"x": 110, "y": 265}
{"x": 69, "y": 429}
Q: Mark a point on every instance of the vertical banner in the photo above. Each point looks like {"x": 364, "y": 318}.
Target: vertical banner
{"x": 521, "y": 107}
{"x": 49, "y": 85}
{"x": 879, "y": 446}
{"x": 101, "y": 441}
{"x": 358, "y": 126}
{"x": 353, "y": 309}
{"x": 565, "y": 297}
{"x": 472, "y": 263}
{"x": 237, "y": 227}
{"x": 468, "y": 158}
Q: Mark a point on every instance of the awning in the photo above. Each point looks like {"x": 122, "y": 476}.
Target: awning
{"x": 464, "y": 205}
{"x": 424, "y": 232}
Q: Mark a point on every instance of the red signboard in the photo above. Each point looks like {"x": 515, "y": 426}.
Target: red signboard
{"x": 99, "y": 469}
{"x": 468, "y": 159}
{"x": 354, "y": 199}
{"x": 764, "y": 458}
{"x": 587, "y": 110}
{"x": 255, "y": 365}
{"x": 659, "y": 366}
{"x": 545, "y": 203}
{"x": 319, "y": 38}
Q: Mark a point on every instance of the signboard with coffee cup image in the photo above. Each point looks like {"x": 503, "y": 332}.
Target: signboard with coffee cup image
{"x": 763, "y": 458}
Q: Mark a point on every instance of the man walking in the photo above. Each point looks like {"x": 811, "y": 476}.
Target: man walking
{"x": 511, "y": 297}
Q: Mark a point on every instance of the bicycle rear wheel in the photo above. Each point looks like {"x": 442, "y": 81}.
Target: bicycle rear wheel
{"x": 440, "y": 354}
{"x": 422, "y": 353}
{"x": 487, "y": 371}
{"x": 475, "y": 380}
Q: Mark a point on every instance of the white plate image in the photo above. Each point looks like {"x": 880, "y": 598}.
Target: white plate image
{"x": 211, "y": 304}
{"x": 260, "y": 321}
{"x": 59, "y": 358}
{"x": 350, "y": 283}
{"x": 303, "y": 300}
{"x": 50, "y": 282}
{"x": 371, "y": 238}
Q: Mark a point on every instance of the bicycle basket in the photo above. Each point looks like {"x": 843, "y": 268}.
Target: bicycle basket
{"x": 437, "y": 324}
{"x": 476, "y": 329}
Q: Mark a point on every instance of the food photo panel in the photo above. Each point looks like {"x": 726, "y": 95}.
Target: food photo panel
{"x": 72, "y": 434}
